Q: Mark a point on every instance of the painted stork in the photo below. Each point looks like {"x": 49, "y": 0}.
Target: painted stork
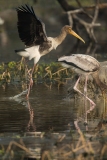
{"x": 84, "y": 65}
{"x": 32, "y": 32}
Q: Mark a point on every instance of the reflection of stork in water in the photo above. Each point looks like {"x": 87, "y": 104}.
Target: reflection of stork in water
{"x": 31, "y": 123}
{"x": 19, "y": 98}
{"x": 84, "y": 65}
{"x": 32, "y": 33}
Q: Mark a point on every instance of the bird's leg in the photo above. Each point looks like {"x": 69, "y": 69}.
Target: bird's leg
{"x": 91, "y": 107}
{"x": 92, "y": 103}
{"x": 85, "y": 91}
{"x": 85, "y": 102}
{"x": 85, "y": 87}
{"x": 76, "y": 89}
{"x": 31, "y": 81}
{"x": 76, "y": 124}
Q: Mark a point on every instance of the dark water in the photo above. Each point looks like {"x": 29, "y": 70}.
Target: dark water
{"x": 50, "y": 110}
{"x": 47, "y": 109}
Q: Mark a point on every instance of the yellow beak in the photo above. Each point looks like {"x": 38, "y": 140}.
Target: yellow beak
{"x": 76, "y": 35}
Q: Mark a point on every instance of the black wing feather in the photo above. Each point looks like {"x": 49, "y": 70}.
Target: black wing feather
{"x": 31, "y": 29}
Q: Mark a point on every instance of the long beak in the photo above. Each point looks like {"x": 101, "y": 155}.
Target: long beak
{"x": 76, "y": 35}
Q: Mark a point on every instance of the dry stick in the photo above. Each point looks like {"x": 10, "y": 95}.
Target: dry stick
{"x": 104, "y": 149}
{"x": 90, "y": 148}
{"x": 59, "y": 71}
{"x": 70, "y": 19}
{"x": 87, "y": 146}
{"x": 101, "y": 6}
{"x": 21, "y": 142}
{"x": 63, "y": 148}
{"x": 67, "y": 7}
{"x": 88, "y": 143}
{"x": 75, "y": 11}
{"x": 61, "y": 138}
{"x": 46, "y": 155}
{"x": 48, "y": 72}
{"x": 85, "y": 24}
{"x": 84, "y": 11}
{"x": 79, "y": 157}
{"x": 18, "y": 145}
{"x": 94, "y": 19}
{"x": 77, "y": 149}
{"x": 83, "y": 141}
{"x": 96, "y": 12}
{"x": 78, "y": 143}
{"x": 88, "y": 26}
{"x": 89, "y": 48}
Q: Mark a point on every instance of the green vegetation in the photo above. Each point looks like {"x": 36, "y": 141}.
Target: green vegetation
{"x": 19, "y": 71}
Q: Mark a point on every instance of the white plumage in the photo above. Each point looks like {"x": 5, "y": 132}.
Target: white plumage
{"x": 31, "y": 53}
{"x": 32, "y": 32}
{"x": 83, "y": 65}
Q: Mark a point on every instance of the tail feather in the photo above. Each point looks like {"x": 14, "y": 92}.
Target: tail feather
{"x": 18, "y": 50}
{"x": 22, "y": 52}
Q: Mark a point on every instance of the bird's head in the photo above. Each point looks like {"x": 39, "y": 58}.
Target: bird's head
{"x": 69, "y": 30}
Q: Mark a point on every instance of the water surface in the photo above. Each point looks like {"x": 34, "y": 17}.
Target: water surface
{"x": 47, "y": 108}
{"x": 50, "y": 109}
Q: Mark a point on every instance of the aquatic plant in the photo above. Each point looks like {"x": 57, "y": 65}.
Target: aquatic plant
{"x": 13, "y": 71}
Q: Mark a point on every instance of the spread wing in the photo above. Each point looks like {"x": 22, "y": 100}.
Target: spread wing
{"x": 31, "y": 29}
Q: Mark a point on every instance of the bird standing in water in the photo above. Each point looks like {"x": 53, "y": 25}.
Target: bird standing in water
{"x": 84, "y": 65}
{"x": 32, "y": 32}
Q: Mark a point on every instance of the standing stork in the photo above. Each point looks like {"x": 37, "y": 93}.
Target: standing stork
{"x": 32, "y": 32}
{"x": 84, "y": 65}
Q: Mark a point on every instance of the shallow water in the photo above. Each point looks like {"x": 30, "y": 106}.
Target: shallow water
{"x": 50, "y": 110}
{"x": 47, "y": 109}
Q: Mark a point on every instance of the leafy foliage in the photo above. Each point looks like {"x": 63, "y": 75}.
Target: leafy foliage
{"x": 19, "y": 71}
